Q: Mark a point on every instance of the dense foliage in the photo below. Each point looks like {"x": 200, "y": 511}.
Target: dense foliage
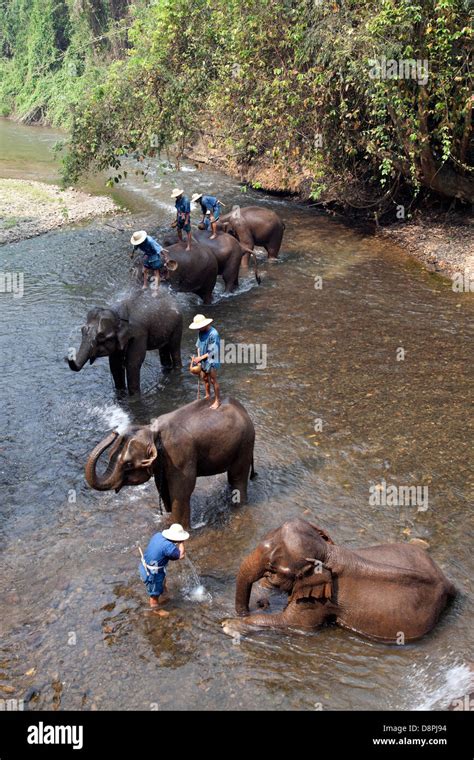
{"x": 362, "y": 102}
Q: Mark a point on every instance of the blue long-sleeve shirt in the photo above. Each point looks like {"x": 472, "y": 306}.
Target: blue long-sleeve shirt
{"x": 159, "y": 550}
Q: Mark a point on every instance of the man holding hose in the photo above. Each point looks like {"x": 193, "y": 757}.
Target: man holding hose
{"x": 163, "y": 547}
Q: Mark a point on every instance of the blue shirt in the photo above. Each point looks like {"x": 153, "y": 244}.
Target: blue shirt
{"x": 152, "y": 252}
{"x": 209, "y": 203}
{"x": 159, "y": 550}
{"x": 209, "y": 342}
{"x": 182, "y": 206}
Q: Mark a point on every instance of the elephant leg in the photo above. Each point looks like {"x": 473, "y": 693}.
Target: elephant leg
{"x": 230, "y": 275}
{"x": 274, "y": 244}
{"x": 174, "y": 347}
{"x": 296, "y": 615}
{"x": 118, "y": 370}
{"x": 237, "y": 477}
{"x": 135, "y": 357}
{"x": 206, "y": 296}
{"x": 181, "y": 490}
{"x": 165, "y": 358}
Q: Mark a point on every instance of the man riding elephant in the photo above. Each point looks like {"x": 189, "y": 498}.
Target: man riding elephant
{"x": 183, "y": 215}
{"x": 210, "y": 206}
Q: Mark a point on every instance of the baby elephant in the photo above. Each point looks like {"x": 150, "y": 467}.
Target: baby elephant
{"x": 393, "y": 593}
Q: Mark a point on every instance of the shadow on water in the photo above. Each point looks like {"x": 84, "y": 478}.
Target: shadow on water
{"x": 72, "y": 606}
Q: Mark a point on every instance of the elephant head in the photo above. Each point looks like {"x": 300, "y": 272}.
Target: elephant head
{"x": 131, "y": 460}
{"x": 104, "y": 333}
{"x": 283, "y": 557}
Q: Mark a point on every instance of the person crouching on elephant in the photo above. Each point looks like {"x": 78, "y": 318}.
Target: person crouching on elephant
{"x": 152, "y": 257}
{"x": 208, "y": 348}
{"x": 163, "y": 547}
{"x": 209, "y": 205}
{"x": 183, "y": 215}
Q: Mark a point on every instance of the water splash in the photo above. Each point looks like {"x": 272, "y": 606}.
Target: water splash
{"x": 456, "y": 681}
{"x": 113, "y": 416}
{"x": 194, "y": 590}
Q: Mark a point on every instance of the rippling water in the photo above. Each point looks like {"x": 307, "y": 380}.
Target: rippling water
{"x": 76, "y": 632}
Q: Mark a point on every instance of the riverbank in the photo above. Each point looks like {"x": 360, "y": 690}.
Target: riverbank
{"x": 446, "y": 248}
{"x": 29, "y": 208}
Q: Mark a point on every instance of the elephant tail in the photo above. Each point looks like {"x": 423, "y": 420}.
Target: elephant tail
{"x": 253, "y": 254}
{"x": 253, "y": 474}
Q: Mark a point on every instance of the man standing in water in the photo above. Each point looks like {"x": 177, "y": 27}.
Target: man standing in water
{"x": 163, "y": 547}
{"x": 183, "y": 215}
{"x": 209, "y": 205}
{"x": 208, "y": 348}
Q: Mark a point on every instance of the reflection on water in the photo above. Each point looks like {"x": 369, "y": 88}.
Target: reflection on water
{"x": 72, "y": 605}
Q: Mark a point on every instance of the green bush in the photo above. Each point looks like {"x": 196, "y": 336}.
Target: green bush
{"x": 287, "y": 84}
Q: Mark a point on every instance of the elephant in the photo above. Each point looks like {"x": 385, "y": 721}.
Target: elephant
{"x": 228, "y": 253}
{"x": 193, "y": 271}
{"x": 176, "y": 448}
{"x": 254, "y": 225}
{"x": 393, "y": 593}
{"x": 126, "y": 331}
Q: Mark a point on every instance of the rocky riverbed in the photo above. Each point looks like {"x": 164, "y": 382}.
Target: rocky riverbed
{"x": 29, "y": 208}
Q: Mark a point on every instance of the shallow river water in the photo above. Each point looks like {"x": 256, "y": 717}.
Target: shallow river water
{"x": 76, "y": 633}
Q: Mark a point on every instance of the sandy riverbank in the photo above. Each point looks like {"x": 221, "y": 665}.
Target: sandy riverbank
{"x": 29, "y": 208}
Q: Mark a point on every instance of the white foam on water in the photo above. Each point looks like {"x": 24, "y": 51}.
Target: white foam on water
{"x": 198, "y": 594}
{"x": 113, "y": 416}
{"x": 452, "y": 683}
{"x": 188, "y": 169}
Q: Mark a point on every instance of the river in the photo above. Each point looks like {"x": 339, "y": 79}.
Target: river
{"x": 76, "y": 633}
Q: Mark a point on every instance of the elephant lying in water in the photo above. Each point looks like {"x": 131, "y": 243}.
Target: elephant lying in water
{"x": 254, "y": 225}
{"x": 126, "y": 331}
{"x": 177, "y": 448}
{"x": 394, "y": 593}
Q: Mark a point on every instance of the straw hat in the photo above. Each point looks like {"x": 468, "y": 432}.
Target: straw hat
{"x": 176, "y": 192}
{"x": 199, "y": 322}
{"x": 176, "y": 533}
{"x": 138, "y": 237}
{"x": 196, "y": 197}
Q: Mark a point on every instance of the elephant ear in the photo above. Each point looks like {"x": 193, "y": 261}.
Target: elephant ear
{"x": 316, "y": 586}
{"x": 145, "y": 446}
{"x": 322, "y": 533}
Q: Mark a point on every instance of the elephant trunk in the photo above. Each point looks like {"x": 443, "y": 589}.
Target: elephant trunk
{"x": 111, "y": 477}
{"x": 82, "y": 356}
{"x": 251, "y": 570}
